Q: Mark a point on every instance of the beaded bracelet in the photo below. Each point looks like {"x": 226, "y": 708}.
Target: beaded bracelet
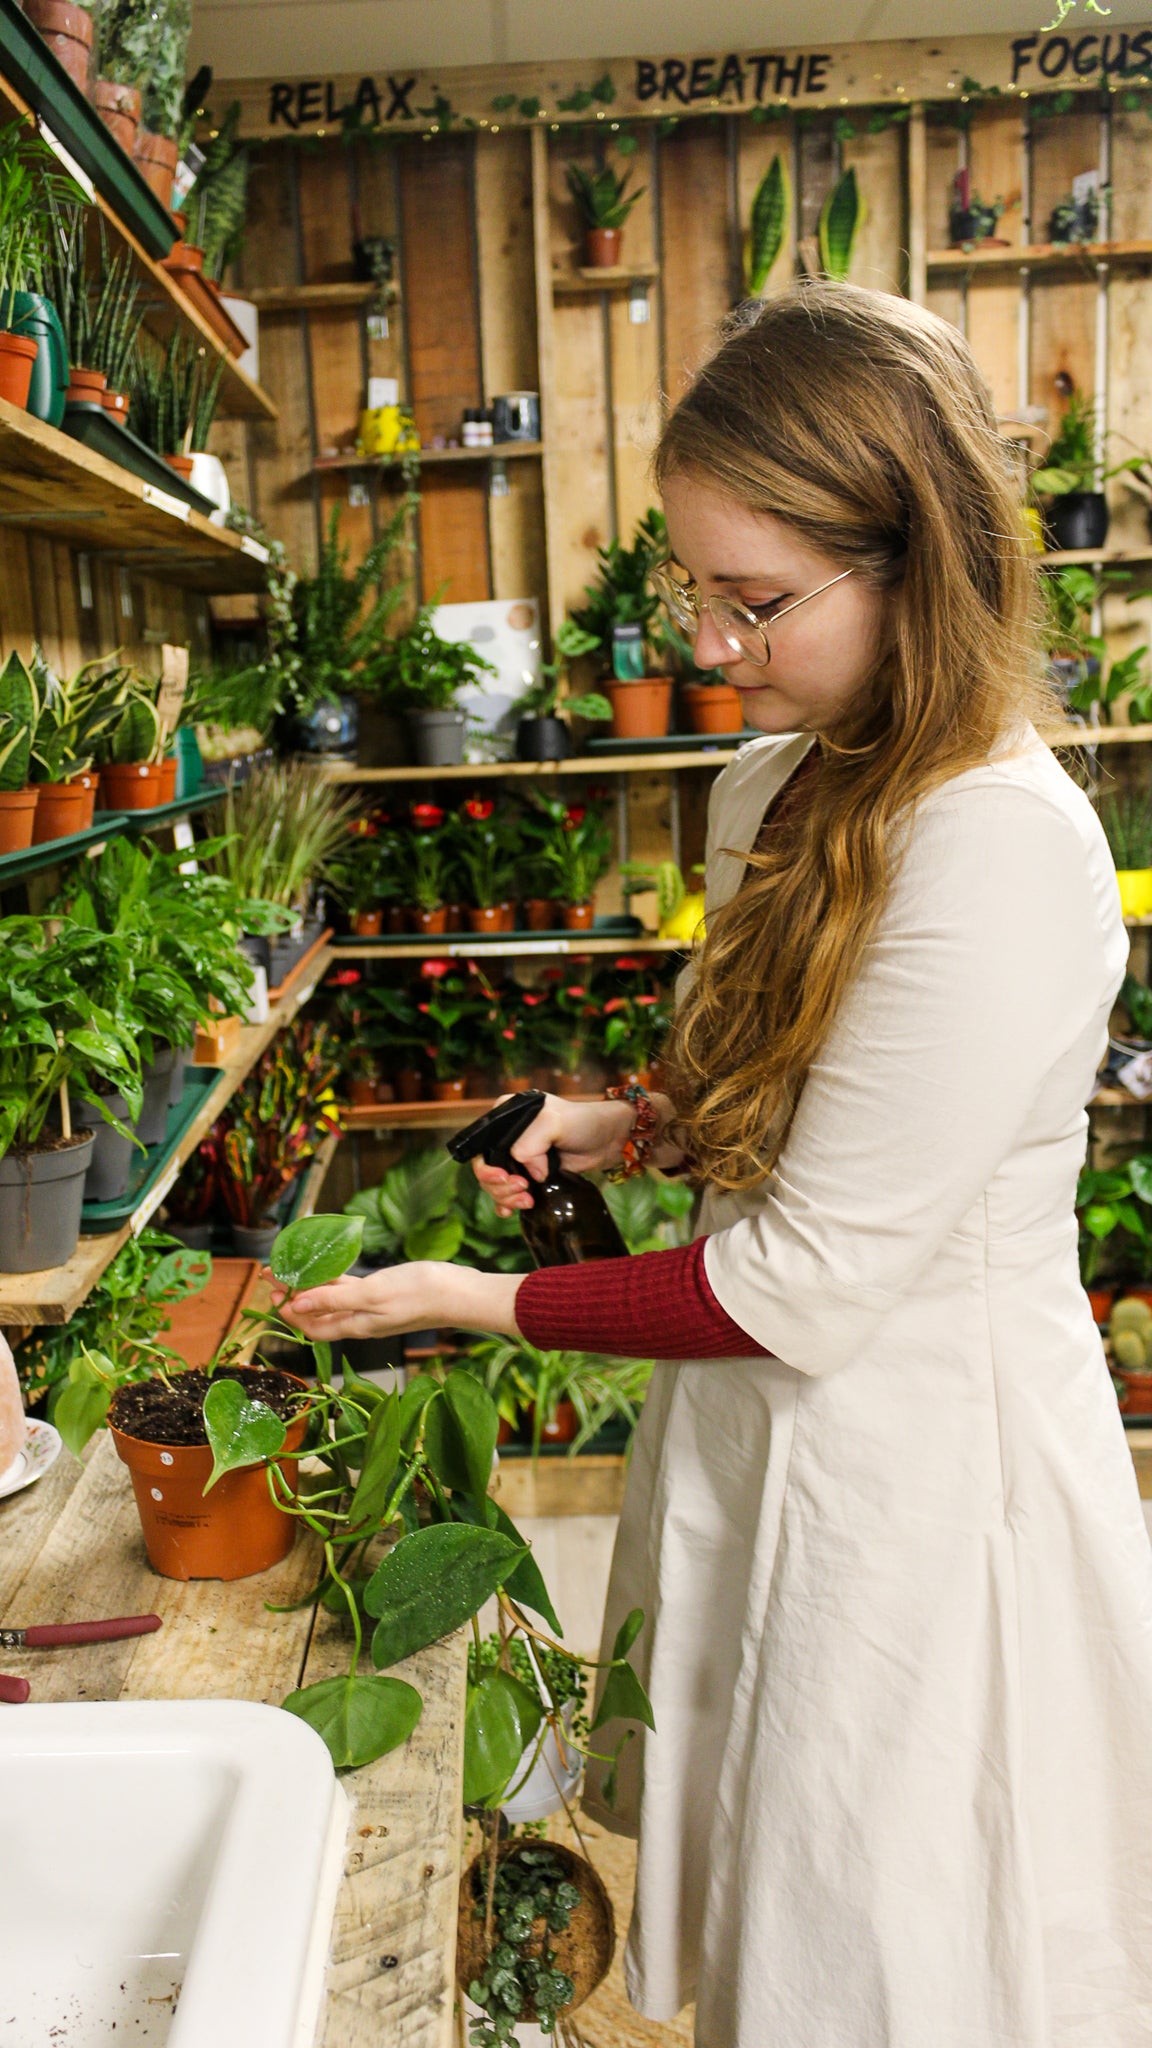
{"x": 642, "y": 1136}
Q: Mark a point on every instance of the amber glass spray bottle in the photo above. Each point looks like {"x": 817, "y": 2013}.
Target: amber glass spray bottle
{"x": 569, "y": 1222}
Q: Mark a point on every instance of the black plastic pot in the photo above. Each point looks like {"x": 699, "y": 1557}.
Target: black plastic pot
{"x": 542, "y": 739}
{"x": 152, "y": 1122}
{"x": 40, "y": 1198}
{"x": 110, "y": 1167}
{"x": 1078, "y": 520}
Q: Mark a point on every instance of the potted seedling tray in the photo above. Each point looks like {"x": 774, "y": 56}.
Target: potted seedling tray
{"x": 96, "y": 429}
{"x": 615, "y": 925}
{"x": 150, "y": 1166}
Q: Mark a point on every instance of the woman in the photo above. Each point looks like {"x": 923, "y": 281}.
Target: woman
{"x": 881, "y": 1520}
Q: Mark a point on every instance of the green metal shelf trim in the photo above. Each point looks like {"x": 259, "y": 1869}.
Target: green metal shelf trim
{"x": 106, "y": 825}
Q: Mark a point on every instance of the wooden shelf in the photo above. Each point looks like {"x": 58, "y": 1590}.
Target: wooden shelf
{"x": 55, "y": 487}
{"x": 54, "y": 1296}
{"x": 500, "y": 451}
{"x": 1108, "y": 558}
{"x": 477, "y": 946}
{"x": 579, "y": 283}
{"x": 576, "y": 764}
{"x": 302, "y": 298}
{"x": 315, "y": 1175}
{"x": 1106, "y": 735}
{"x": 1040, "y": 256}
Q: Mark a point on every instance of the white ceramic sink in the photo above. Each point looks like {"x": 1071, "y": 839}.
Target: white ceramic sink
{"x": 171, "y": 1866}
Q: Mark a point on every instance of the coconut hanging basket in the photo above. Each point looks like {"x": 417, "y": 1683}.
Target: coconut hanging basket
{"x": 583, "y": 1950}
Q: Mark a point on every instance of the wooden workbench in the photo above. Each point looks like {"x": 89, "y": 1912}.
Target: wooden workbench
{"x": 70, "y": 1549}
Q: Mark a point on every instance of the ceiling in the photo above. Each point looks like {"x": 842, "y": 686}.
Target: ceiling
{"x": 302, "y": 38}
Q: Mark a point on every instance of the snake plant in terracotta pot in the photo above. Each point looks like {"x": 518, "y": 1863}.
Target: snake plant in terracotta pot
{"x": 19, "y": 717}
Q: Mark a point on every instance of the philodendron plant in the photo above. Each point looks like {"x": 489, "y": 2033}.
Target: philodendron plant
{"x": 417, "y": 1466}
{"x": 54, "y": 1033}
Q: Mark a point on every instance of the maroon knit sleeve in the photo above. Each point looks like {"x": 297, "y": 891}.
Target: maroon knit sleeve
{"x": 656, "y": 1305}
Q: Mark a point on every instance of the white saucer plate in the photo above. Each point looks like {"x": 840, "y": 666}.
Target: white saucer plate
{"x": 41, "y": 1449}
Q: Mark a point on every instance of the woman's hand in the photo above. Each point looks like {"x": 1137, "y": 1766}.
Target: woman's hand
{"x": 589, "y": 1136}
{"x": 417, "y": 1296}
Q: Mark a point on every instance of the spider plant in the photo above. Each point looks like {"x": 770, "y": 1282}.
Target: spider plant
{"x": 175, "y": 396}
{"x": 284, "y": 826}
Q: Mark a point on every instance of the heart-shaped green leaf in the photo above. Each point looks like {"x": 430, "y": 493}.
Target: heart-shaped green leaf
{"x": 82, "y": 1407}
{"x": 500, "y": 1719}
{"x": 623, "y": 1699}
{"x": 381, "y": 1452}
{"x": 316, "y": 1250}
{"x": 627, "y": 1633}
{"x": 240, "y": 1431}
{"x": 433, "y": 1582}
{"x": 441, "y": 1238}
{"x": 360, "y": 1718}
{"x": 477, "y": 1423}
{"x": 526, "y": 1584}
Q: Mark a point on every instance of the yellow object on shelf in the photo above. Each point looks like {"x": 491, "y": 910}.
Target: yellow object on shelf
{"x": 686, "y": 923}
{"x": 1135, "y": 891}
{"x": 379, "y": 429}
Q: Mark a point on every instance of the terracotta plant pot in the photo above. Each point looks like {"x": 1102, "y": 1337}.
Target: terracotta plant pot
{"x": 86, "y": 387}
{"x": 60, "y": 810}
{"x": 183, "y": 256}
{"x": 117, "y": 403}
{"x": 583, "y": 1950}
{"x": 503, "y": 1432}
{"x": 448, "y": 1091}
{"x": 454, "y": 918}
{"x": 362, "y": 1093}
{"x": 395, "y": 920}
{"x": 507, "y": 917}
{"x": 231, "y": 1533}
{"x": 429, "y": 923}
{"x": 713, "y": 707}
{"x": 89, "y": 783}
{"x": 562, "y": 1429}
{"x": 540, "y": 914}
{"x": 569, "y": 1085}
{"x": 602, "y": 248}
{"x": 640, "y": 710}
{"x": 640, "y": 1077}
{"x": 485, "y": 917}
{"x": 131, "y": 786}
{"x": 67, "y": 31}
{"x": 18, "y": 352}
{"x": 182, "y": 464}
{"x": 368, "y": 924}
{"x": 514, "y": 1084}
{"x": 409, "y": 1084}
{"x": 156, "y": 159}
{"x": 579, "y": 917}
{"x": 168, "y": 767}
{"x": 18, "y": 818}
{"x": 119, "y": 108}
{"x": 1137, "y": 1398}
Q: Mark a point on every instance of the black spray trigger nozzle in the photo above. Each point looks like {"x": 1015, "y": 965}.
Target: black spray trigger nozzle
{"x": 493, "y": 1135}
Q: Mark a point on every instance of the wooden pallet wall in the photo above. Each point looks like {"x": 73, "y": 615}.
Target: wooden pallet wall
{"x": 79, "y": 607}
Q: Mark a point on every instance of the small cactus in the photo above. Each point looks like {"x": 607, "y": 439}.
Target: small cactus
{"x": 1131, "y": 1334}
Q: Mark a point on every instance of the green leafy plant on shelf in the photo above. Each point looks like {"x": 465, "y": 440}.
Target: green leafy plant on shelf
{"x": 413, "y": 1211}
{"x": 55, "y": 1033}
{"x": 768, "y": 226}
{"x": 30, "y": 184}
{"x": 174, "y": 396}
{"x": 281, "y": 829}
{"x": 1074, "y": 461}
{"x": 19, "y": 720}
{"x": 452, "y": 1011}
{"x": 277, "y": 1120}
{"x": 114, "y": 319}
{"x": 215, "y": 210}
{"x": 622, "y": 594}
{"x": 418, "y": 670}
{"x": 66, "y": 276}
{"x": 1136, "y": 998}
{"x": 364, "y": 873}
{"x": 530, "y": 1900}
{"x": 75, "y": 716}
{"x": 427, "y": 859}
{"x": 551, "y": 695}
{"x": 602, "y": 196}
{"x": 419, "y": 1462}
{"x": 487, "y": 850}
{"x": 390, "y": 1025}
{"x": 341, "y": 616}
{"x": 526, "y": 1382}
{"x": 1114, "y": 1203}
{"x": 574, "y": 845}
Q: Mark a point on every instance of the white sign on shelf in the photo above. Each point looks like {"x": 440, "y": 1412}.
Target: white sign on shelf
{"x": 255, "y": 548}
{"x": 66, "y": 158}
{"x": 164, "y": 503}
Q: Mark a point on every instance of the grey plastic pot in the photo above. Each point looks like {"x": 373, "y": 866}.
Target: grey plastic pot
{"x": 195, "y": 1237}
{"x": 438, "y": 737}
{"x": 40, "y": 1198}
{"x": 176, "y": 1089}
{"x": 254, "y": 1240}
{"x": 152, "y": 1122}
{"x": 110, "y": 1168}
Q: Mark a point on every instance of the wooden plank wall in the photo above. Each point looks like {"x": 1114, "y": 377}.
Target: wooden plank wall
{"x": 79, "y": 607}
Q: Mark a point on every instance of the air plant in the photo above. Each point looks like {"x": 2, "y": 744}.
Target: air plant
{"x": 175, "y": 396}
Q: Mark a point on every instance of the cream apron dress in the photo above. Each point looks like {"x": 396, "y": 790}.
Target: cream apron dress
{"x": 897, "y": 1579}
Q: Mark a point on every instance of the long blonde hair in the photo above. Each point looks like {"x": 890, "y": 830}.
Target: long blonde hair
{"x": 863, "y": 422}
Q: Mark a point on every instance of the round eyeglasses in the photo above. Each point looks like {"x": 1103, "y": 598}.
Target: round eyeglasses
{"x": 738, "y": 627}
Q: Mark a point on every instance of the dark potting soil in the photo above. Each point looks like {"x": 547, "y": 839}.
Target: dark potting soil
{"x": 172, "y": 1412}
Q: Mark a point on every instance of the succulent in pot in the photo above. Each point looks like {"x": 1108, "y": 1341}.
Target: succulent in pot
{"x": 604, "y": 203}
{"x": 57, "y": 1039}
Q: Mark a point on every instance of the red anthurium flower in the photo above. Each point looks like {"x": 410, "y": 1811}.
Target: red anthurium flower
{"x": 575, "y": 815}
{"x": 628, "y": 962}
{"x": 616, "y": 1003}
{"x": 645, "y": 1000}
{"x": 553, "y": 974}
{"x": 532, "y": 1000}
{"x": 427, "y": 816}
{"x": 575, "y": 991}
{"x": 362, "y": 828}
{"x": 479, "y": 808}
{"x": 344, "y": 977}
{"x": 423, "y": 1009}
{"x": 435, "y": 970}
{"x": 508, "y": 1034}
